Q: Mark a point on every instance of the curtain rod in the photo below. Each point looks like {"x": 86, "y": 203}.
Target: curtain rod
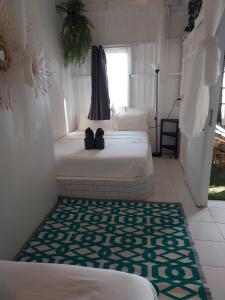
{"x": 126, "y": 45}
{"x": 134, "y": 9}
{"x": 120, "y": 46}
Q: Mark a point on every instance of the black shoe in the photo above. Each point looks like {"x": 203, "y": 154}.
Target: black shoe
{"x": 99, "y": 140}
{"x": 89, "y": 141}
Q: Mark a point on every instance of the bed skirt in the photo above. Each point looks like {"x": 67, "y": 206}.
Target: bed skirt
{"x": 140, "y": 188}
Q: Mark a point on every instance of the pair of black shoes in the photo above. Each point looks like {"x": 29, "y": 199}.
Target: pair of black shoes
{"x": 92, "y": 142}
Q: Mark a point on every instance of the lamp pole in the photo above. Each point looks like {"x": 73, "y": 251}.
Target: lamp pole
{"x": 157, "y": 153}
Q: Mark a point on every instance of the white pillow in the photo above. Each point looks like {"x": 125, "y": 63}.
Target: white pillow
{"x": 131, "y": 121}
{"x": 118, "y": 109}
{"x": 106, "y": 125}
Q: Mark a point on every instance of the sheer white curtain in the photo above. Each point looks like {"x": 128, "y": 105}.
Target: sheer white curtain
{"x": 82, "y": 86}
{"x": 147, "y": 29}
{"x": 118, "y": 70}
{"x": 142, "y": 82}
{"x": 131, "y": 78}
{"x": 204, "y": 70}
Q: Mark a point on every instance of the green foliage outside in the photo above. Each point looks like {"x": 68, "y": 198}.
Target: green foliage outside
{"x": 217, "y": 184}
{"x": 194, "y": 7}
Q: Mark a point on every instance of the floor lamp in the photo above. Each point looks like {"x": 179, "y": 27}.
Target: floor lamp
{"x": 156, "y": 69}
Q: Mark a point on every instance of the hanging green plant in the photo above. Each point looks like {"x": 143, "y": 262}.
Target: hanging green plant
{"x": 76, "y": 32}
{"x": 194, "y": 8}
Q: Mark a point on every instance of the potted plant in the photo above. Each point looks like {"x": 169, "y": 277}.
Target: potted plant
{"x": 194, "y": 8}
{"x": 76, "y": 31}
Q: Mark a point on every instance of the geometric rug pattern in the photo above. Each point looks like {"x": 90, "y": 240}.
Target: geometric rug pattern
{"x": 147, "y": 239}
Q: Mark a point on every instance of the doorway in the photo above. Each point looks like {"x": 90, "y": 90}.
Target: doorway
{"x": 217, "y": 178}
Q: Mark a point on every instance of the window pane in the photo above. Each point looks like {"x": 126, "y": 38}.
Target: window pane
{"x": 223, "y": 95}
{"x": 223, "y": 114}
{"x": 223, "y": 101}
{"x": 224, "y": 80}
{"x": 118, "y": 76}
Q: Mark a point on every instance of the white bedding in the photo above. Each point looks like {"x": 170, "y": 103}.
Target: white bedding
{"x": 127, "y": 155}
{"x": 35, "y": 281}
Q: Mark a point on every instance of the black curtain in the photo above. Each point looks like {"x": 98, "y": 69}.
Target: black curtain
{"x": 100, "y": 102}
{"x": 219, "y": 115}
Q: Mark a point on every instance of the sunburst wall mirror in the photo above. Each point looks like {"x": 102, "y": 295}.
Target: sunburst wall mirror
{"x": 8, "y": 55}
{"x": 5, "y": 57}
{"x": 37, "y": 65}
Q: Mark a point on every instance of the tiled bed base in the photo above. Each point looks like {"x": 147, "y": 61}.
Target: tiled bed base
{"x": 134, "y": 189}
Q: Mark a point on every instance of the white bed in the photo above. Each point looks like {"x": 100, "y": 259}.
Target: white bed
{"x": 34, "y": 281}
{"x": 127, "y": 154}
{"x": 124, "y": 166}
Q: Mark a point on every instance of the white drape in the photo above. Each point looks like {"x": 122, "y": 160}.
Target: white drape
{"x": 118, "y": 70}
{"x": 204, "y": 71}
{"x": 82, "y": 86}
{"x": 142, "y": 80}
{"x": 162, "y": 34}
{"x": 146, "y": 28}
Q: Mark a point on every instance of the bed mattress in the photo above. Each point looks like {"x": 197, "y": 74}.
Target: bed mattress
{"x": 35, "y": 281}
{"x": 127, "y": 154}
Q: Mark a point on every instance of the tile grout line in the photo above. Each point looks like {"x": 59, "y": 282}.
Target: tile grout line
{"x": 211, "y": 241}
{"x": 221, "y": 267}
{"x": 168, "y": 165}
{"x": 209, "y": 223}
{"x": 218, "y": 267}
{"x": 220, "y": 229}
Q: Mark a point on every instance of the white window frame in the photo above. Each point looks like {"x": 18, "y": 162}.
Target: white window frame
{"x": 222, "y": 102}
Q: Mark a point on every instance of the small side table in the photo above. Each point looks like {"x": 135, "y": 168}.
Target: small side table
{"x": 169, "y": 131}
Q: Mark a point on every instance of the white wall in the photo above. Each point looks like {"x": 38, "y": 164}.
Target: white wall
{"x": 124, "y": 26}
{"x": 140, "y": 23}
{"x": 115, "y": 5}
{"x": 62, "y": 82}
{"x": 27, "y": 177}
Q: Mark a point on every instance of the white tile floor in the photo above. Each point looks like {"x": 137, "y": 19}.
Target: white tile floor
{"x": 207, "y": 225}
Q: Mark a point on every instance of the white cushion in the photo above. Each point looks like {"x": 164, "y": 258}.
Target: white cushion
{"x": 34, "y": 281}
{"x": 132, "y": 120}
{"x": 106, "y": 125}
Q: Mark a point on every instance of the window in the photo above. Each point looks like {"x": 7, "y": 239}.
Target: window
{"x": 221, "y": 115}
{"x": 118, "y": 75}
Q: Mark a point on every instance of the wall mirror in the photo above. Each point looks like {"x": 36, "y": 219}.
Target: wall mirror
{"x": 9, "y": 51}
{"x": 5, "y": 58}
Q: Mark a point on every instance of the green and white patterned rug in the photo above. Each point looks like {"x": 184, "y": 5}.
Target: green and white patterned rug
{"x": 148, "y": 239}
